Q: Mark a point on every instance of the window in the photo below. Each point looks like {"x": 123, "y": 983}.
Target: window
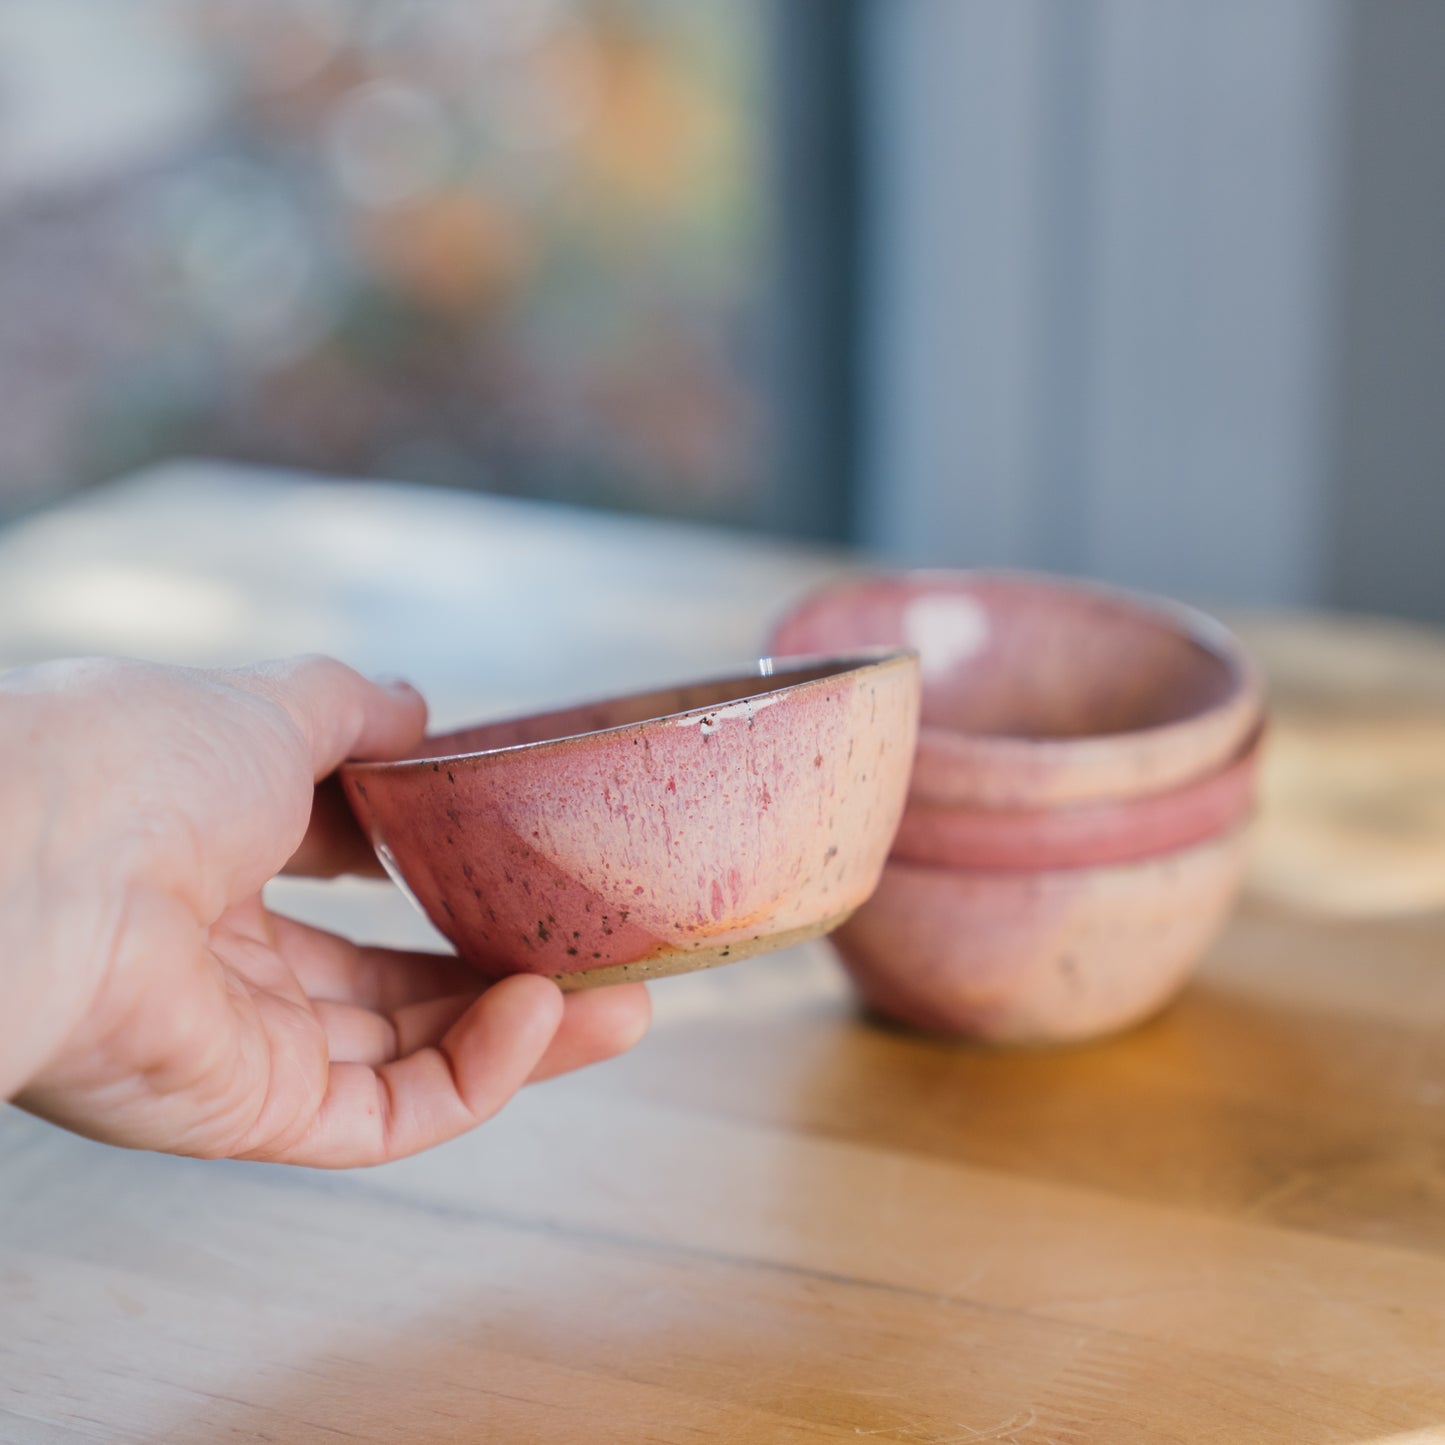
{"x": 513, "y": 244}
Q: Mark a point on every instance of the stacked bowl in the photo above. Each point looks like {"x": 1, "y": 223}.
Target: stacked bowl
{"x": 1073, "y": 837}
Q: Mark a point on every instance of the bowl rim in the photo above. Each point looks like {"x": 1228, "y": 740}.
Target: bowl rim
{"x": 1040, "y": 882}
{"x": 1208, "y": 633}
{"x": 1234, "y": 783}
{"x": 839, "y": 665}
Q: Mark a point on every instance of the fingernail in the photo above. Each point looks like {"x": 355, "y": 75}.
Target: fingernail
{"x": 394, "y": 684}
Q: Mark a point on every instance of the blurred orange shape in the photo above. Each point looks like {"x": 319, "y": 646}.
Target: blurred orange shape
{"x": 453, "y": 252}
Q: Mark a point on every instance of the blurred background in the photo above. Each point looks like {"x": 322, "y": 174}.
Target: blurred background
{"x": 1143, "y": 289}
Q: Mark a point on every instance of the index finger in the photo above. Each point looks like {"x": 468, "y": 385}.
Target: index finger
{"x": 334, "y": 843}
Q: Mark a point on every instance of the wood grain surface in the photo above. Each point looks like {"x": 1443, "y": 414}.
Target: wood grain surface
{"x": 775, "y": 1220}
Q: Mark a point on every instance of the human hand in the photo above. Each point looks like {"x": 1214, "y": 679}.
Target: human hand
{"x": 152, "y": 1000}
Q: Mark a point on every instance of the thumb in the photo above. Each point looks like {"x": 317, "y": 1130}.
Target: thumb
{"x": 340, "y": 713}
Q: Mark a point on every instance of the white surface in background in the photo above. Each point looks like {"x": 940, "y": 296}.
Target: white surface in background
{"x": 489, "y": 605}
{"x": 87, "y": 88}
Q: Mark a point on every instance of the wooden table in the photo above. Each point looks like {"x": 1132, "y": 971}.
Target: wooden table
{"x": 772, "y": 1221}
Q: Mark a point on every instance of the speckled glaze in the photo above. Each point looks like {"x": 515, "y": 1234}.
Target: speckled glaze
{"x": 1087, "y": 835}
{"x": 1039, "y": 957}
{"x": 658, "y": 833}
{"x": 1041, "y": 692}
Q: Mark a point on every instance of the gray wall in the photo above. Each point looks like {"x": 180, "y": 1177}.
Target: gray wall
{"x": 1388, "y": 458}
{"x": 1153, "y": 293}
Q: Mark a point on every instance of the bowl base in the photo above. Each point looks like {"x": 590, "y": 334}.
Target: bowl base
{"x": 691, "y": 960}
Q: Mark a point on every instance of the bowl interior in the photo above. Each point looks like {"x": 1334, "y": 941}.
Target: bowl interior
{"x": 621, "y": 712}
{"x": 1029, "y": 657}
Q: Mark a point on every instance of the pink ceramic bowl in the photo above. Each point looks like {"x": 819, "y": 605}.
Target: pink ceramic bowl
{"x": 1040, "y": 692}
{"x": 1087, "y": 835}
{"x": 653, "y": 834}
{"x": 1043, "y": 957}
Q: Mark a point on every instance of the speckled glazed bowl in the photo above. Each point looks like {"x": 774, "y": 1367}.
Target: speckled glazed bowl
{"x": 1088, "y": 834}
{"x": 1041, "y": 692}
{"x": 657, "y": 833}
{"x": 1045, "y": 957}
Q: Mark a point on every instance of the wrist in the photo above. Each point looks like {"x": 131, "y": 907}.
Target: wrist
{"x": 57, "y": 909}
